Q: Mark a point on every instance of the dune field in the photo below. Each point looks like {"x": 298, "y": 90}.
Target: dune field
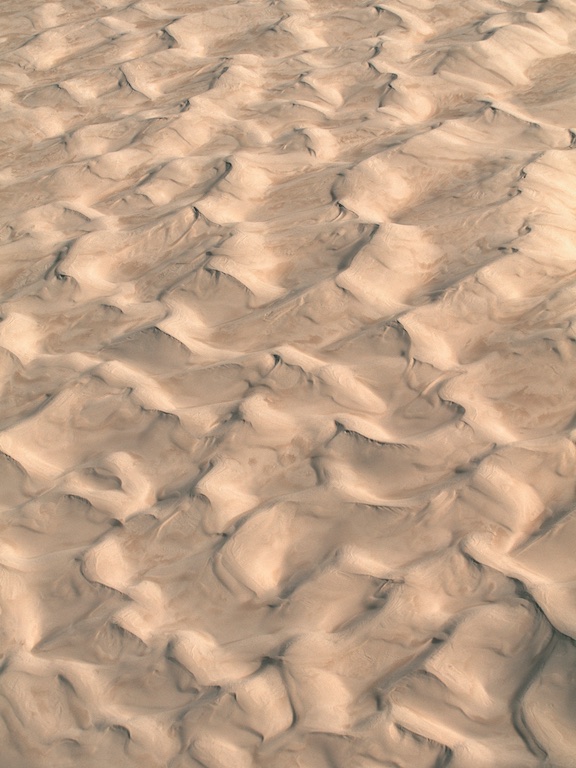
{"x": 288, "y": 384}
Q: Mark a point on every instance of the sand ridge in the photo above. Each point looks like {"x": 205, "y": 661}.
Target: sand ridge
{"x": 288, "y": 372}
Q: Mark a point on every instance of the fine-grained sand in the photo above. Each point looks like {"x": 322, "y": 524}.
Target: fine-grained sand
{"x": 288, "y": 370}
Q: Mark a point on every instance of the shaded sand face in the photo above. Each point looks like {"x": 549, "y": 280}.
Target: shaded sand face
{"x": 288, "y": 371}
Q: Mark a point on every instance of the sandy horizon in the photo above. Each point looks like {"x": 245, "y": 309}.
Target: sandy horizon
{"x": 288, "y": 370}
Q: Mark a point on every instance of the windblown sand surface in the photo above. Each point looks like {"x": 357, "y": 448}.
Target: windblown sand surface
{"x": 288, "y": 373}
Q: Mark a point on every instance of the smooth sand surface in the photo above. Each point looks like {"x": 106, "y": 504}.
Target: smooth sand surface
{"x": 288, "y": 369}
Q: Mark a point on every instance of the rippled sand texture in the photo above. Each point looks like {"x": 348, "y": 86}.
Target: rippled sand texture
{"x": 289, "y": 383}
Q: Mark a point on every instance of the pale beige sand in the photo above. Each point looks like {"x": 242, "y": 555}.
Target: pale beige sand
{"x": 289, "y": 384}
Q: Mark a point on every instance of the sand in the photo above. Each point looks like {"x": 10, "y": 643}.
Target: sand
{"x": 288, "y": 370}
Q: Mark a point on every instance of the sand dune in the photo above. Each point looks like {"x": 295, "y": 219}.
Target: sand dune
{"x": 287, "y": 437}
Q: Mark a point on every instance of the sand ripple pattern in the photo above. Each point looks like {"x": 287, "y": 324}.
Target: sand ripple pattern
{"x": 287, "y": 421}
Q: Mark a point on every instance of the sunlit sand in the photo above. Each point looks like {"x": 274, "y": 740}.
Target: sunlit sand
{"x": 288, "y": 369}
